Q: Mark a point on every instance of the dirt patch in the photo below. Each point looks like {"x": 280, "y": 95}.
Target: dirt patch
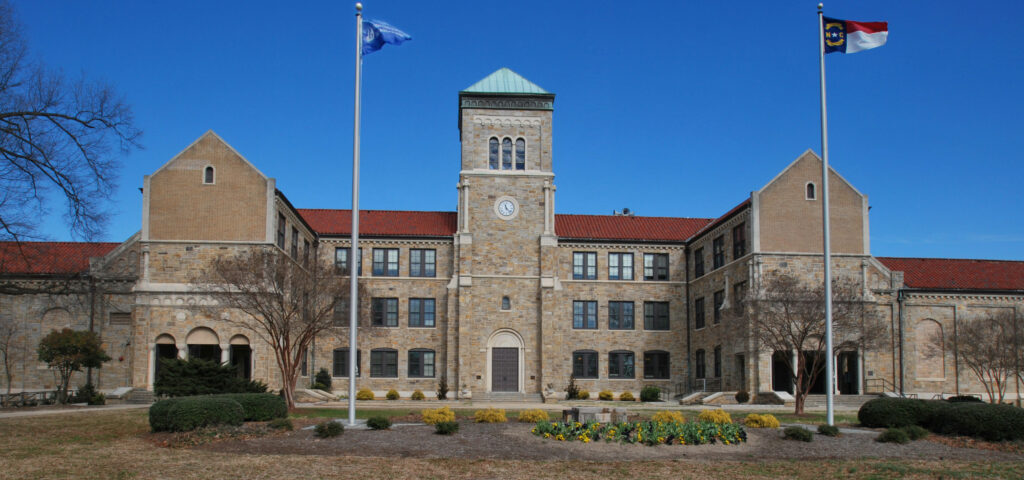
{"x": 513, "y": 441}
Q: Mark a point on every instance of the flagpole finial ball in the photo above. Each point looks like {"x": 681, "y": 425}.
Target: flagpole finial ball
{"x": 359, "y": 6}
{"x": 820, "y": 6}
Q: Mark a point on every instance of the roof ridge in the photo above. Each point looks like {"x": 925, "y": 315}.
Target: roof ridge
{"x": 52, "y": 242}
{"x": 373, "y": 210}
{"x": 954, "y": 259}
{"x": 631, "y": 216}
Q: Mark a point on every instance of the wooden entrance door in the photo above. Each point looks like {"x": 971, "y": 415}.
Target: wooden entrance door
{"x": 505, "y": 369}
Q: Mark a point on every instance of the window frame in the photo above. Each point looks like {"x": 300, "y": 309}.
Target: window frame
{"x": 620, "y": 268}
{"x": 700, "y": 366}
{"x": 585, "y": 316}
{"x": 718, "y": 252}
{"x": 584, "y": 368}
{"x": 494, "y": 153}
{"x": 698, "y": 263}
{"x": 282, "y": 229}
{"x": 422, "y": 268}
{"x": 506, "y": 156}
{"x": 617, "y": 359}
{"x": 659, "y": 273}
{"x": 588, "y": 266}
{"x": 342, "y": 265}
{"x": 717, "y": 300}
{"x": 518, "y": 154}
{"x": 810, "y": 191}
{"x": 344, "y": 355}
{"x": 209, "y": 175}
{"x": 421, "y": 312}
{"x": 422, "y": 363}
{"x": 295, "y": 243}
{"x": 375, "y": 364}
{"x": 341, "y": 313}
{"x": 383, "y": 267}
{"x": 652, "y": 317}
{"x": 650, "y": 369}
{"x": 617, "y": 309}
{"x": 718, "y": 361}
{"x": 739, "y": 240}
{"x": 699, "y": 320}
{"x": 384, "y": 314}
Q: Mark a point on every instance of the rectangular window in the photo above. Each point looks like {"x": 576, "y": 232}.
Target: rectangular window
{"x": 656, "y": 365}
{"x": 584, "y": 364}
{"x": 421, "y": 262}
{"x": 341, "y": 313}
{"x": 421, "y": 363}
{"x": 718, "y": 361}
{"x": 304, "y": 367}
{"x": 584, "y": 314}
{"x": 620, "y": 365}
{"x": 584, "y": 265}
{"x": 718, "y": 252}
{"x": 698, "y": 313}
{"x": 305, "y": 252}
{"x": 655, "y": 266}
{"x": 656, "y": 316}
{"x": 120, "y": 318}
{"x": 384, "y": 312}
{"x": 698, "y": 263}
{"x": 620, "y": 315}
{"x": 341, "y": 362}
{"x": 421, "y": 312}
{"x": 739, "y": 293}
{"x": 280, "y": 231}
{"x": 719, "y": 299}
{"x": 385, "y": 262}
{"x": 620, "y": 266}
{"x": 699, "y": 364}
{"x": 739, "y": 241}
{"x": 384, "y": 363}
{"x": 295, "y": 243}
{"x": 341, "y": 255}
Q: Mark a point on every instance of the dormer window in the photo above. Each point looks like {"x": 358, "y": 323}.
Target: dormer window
{"x": 501, "y": 154}
{"x": 208, "y": 175}
{"x": 811, "y": 194}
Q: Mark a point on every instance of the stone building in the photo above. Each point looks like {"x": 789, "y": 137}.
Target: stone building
{"x": 503, "y": 297}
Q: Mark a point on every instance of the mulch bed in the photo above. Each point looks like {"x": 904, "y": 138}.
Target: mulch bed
{"x": 513, "y": 441}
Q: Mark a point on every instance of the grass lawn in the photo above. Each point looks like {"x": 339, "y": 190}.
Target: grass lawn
{"x": 117, "y": 444}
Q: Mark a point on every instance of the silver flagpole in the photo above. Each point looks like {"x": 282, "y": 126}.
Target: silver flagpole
{"x": 353, "y": 258}
{"x": 825, "y": 221}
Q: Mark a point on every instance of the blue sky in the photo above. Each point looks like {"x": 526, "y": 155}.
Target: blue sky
{"x": 668, "y": 108}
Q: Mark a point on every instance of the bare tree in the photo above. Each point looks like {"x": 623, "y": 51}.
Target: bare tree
{"x": 787, "y": 315}
{"x": 9, "y": 331}
{"x": 56, "y": 134}
{"x": 989, "y": 344}
{"x": 286, "y": 303}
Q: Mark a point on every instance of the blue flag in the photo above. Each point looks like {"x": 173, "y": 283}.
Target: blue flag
{"x": 376, "y": 33}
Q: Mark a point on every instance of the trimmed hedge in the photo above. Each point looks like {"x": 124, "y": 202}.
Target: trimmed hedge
{"x": 893, "y": 435}
{"x": 259, "y": 407}
{"x": 982, "y": 420}
{"x": 797, "y": 433}
{"x": 159, "y": 418}
{"x": 896, "y": 412}
{"x": 189, "y": 413}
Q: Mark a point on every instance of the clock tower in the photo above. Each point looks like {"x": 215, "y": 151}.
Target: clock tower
{"x": 506, "y": 235}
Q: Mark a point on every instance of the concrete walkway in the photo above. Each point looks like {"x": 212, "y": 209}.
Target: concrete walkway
{"x": 478, "y": 404}
{"x": 35, "y": 412}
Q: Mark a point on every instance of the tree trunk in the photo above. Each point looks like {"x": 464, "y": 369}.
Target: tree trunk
{"x": 798, "y": 387}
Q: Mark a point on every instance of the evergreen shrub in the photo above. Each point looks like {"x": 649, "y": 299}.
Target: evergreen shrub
{"x": 533, "y": 416}
{"x": 259, "y": 407}
{"x": 323, "y": 379}
{"x": 605, "y": 395}
{"x": 627, "y": 397}
{"x": 896, "y": 412}
{"x": 329, "y": 429}
{"x": 490, "y": 415}
{"x": 828, "y": 430}
{"x": 189, "y": 413}
{"x": 797, "y": 433}
{"x": 669, "y": 416}
{"x": 182, "y": 378}
{"x": 650, "y": 394}
{"x": 446, "y": 428}
{"x": 418, "y": 395}
{"x": 364, "y": 394}
{"x": 761, "y": 421}
{"x": 742, "y": 396}
{"x": 378, "y": 422}
{"x": 893, "y": 435}
{"x": 438, "y": 415}
{"x": 392, "y": 394}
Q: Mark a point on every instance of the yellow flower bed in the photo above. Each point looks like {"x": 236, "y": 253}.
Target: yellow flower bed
{"x": 761, "y": 421}
{"x": 533, "y": 416}
{"x": 364, "y": 394}
{"x": 715, "y": 416}
{"x": 669, "y": 416}
{"x": 491, "y": 415}
{"x": 439, "y": 415}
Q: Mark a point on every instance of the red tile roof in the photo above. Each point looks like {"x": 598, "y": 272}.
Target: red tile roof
{"x": 389, "y": 223}
{"x": 958, "y": 274}
{"x": 714, "y": 223}
{"x": 644, "y": 229}
{"x": 48, "y": 258}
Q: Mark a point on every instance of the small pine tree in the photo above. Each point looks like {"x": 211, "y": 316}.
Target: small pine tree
{"x": 442, "y": 388}
{"x": 323, "y": 378}
{"x": 572, "y": 392}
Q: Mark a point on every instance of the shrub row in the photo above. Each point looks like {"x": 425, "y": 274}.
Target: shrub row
{"x": 182, "y": 414}
{"x": 974, "y": 419}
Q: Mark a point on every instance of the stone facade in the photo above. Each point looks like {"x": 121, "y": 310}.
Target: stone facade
{"x": 504, "y": 287}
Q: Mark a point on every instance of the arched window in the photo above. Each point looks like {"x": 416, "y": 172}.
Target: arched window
{"x": 506, "y": 304}
{"x": 930, "y": 352}
{"x": 520, "y": 154}
{"x": 506, "y": 154}
{"x": 493, "y": 149}
{"x": 811, "y": 194}
{"x": 584, "y": 364}
{"x": 208, "y": 174}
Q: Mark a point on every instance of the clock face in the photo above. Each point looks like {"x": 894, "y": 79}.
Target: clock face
{"x": 506, "y": 208}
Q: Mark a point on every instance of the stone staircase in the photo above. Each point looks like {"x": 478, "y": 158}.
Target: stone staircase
{"x": 510, "y": 397}
{"x": 139, "y": 396}
{"x": 849, "y": 402}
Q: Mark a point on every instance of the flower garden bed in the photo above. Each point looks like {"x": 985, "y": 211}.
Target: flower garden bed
{"x": 646, "y": 433}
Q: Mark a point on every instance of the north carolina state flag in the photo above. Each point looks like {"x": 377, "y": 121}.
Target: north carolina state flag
{"x": 847, "y": 36}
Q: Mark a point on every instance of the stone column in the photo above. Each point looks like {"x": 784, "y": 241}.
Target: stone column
{"x": 225, "y": 351}
{"x": 151, "y": 372}
{"x": 182, "y": 351}
{"x": 795, "y": 356}
{"x": 860, "y": 372}
{"x": 835, "y": 374}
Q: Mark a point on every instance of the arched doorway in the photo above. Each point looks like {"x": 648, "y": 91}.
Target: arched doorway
{"x": 241, "y": 356}
{"x": 505, "y": 361}
{"x": 203, "y": 344}
{"x": 164, "y": 348}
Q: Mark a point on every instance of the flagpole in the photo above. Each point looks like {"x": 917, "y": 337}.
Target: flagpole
{"x": 353, "y": 258}
{"x": 829, "y": 369}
